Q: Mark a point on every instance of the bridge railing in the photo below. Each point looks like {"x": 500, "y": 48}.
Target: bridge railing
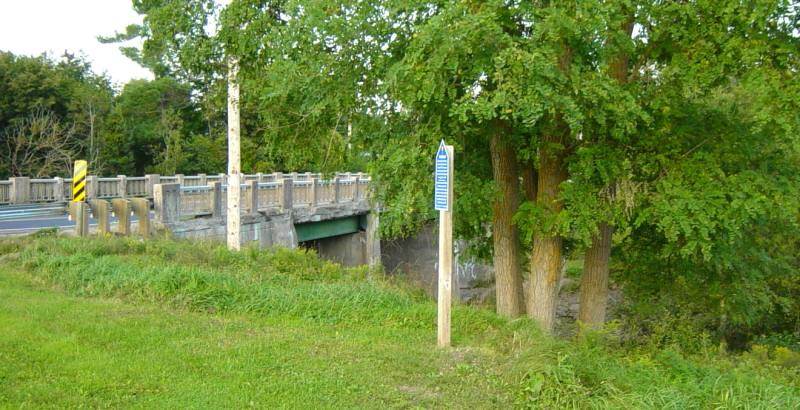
{"x": 136, "y": 187}
{"x": 305, "y": 191}
{"x": 23, "y": 190}
{"x": 44, "y": 190}
{"x": 196, "y": 200}
{"x": 5, "y": 192}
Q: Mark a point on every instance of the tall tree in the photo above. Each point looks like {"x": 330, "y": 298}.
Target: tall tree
{"x": 595, "y": 278}
{"x": 150, "y": 123}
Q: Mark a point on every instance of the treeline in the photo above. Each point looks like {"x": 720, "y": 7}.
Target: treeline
{"x": 657, "y": 141}
{"x": 54, "y": 111}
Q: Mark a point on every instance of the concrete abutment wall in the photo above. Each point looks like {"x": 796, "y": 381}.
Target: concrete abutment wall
{"x": 277, "y": 227}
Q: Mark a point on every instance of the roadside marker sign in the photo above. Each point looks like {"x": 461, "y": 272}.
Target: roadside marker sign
{"x": 443, "y": 202}
{"x": 79, "y": 181}
{"x": 441, "y": 195}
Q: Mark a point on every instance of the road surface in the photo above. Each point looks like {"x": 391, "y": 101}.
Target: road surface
{"x": 33, "y": 224}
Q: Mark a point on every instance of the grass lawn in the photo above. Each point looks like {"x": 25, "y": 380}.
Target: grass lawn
{"x": 61, "y": 350}
{"x": 122, "y": 323}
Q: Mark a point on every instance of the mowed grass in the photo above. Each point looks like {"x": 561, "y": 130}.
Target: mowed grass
{"x": 125, "y": 323}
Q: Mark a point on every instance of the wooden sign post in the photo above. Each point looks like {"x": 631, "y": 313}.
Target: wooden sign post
{"x": 443, "y": 202}
{"x": 234, "y": 218}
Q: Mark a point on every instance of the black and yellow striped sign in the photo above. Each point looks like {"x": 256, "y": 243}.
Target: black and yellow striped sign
{"x": 79, "y": 181}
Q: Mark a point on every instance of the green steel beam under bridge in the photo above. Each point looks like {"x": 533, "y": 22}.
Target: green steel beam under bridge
{"x": 310, "y": 231}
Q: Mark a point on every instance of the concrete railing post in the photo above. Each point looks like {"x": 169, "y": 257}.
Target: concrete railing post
{"x": 91, "y": 187}
{"x": 58, "y": 189}
{"x": 141, "y": 208}
{"x": 277, "y": 176}
{"x": 356, "y": 187}
{"x": 314, "y": 191}
{"x": 337, "y": 190}
{"x": 252, "y": 198}
{"x": 287, "y": 187}
{"x": 223, "y": 179}
{"x": 179, "y": 178}
{"x": 122, "y": 211}
{"x": 202, "y": 179}
{"x": 20, "y": 190}
{"x": 216, "y": 199}
{"x": 150, "y": 180}
{"x": 122, "y": 186}
{"x": 260, "y": 177}
{"x": 102, "y": 215}
{"x": 80, "y": 213}
{"x": 167, "y": 202}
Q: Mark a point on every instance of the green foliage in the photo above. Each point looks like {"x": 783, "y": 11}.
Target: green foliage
{"x": 151, "y": 123}
{"x": 66, "y": 88}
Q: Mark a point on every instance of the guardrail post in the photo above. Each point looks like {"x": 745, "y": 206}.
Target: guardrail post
{"x": 141, "y": 208}
{"x": 122, "y": 211}
{"x": 122, "y": 186}
{"x": 337, "y": 191}
{"x": 216, "y": 199}
{"x": 179, "y": 178}
{"x": 58, "y": 189}
{"x": 101, "y": 214}
{"x": 252, "y": 186}
{"x": 20, "y": 190}
{"x": 91, "y": 187}
{"x": 287, "y": 186}
{"x": 167, "y": 202}
{"x": 259, "y": 177}
{"x": 314, "y": 192}
{"x": 277, "y": 176}
{"x": 202, "y": 179}
{"x": 150, "y": 180}
{"x": 80, "y": 212}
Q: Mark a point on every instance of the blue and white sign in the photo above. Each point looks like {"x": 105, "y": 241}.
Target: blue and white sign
{"x": 441, "y": 194}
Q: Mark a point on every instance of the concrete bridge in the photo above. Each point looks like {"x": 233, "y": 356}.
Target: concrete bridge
{"x": 331, "y": 215}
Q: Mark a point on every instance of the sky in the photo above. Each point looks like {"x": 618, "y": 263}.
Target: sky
{"x": 32, "y": 27}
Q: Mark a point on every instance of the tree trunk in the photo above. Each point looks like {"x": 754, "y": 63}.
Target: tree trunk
{"x": 594, "y": 281}
{"x": 546, "y": 255}
{"x": 508, "y": 277}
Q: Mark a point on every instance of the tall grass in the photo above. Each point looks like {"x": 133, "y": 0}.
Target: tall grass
{"x": 512, "y": 357}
